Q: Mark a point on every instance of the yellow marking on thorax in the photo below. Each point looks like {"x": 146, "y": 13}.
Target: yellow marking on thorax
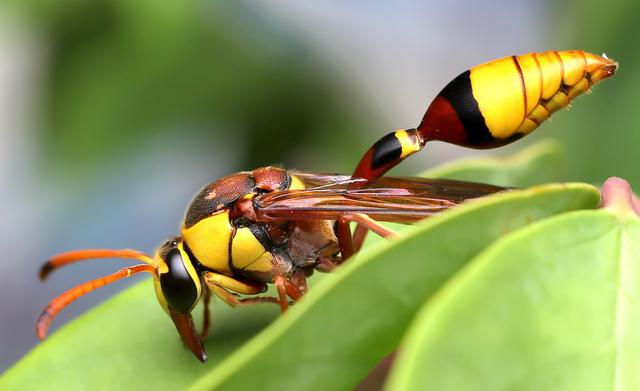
{"x": 208, "y": 239}
{"x": 497, "y": 87}
{"x": 296, "y": 184}
{"x": 262, "y": 264}
{"x": 409, "y": 146}
{"x": 248, "y": 254}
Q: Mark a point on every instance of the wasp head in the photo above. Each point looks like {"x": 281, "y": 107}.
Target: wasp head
{"x": 178, "y": 288}
{"x": 177, "y": 284}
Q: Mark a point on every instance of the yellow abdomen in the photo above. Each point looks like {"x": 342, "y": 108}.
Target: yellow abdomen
{"x": 515, "y": 94}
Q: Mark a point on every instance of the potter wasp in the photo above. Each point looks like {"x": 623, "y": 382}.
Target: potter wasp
{"x": 271, "y": 225}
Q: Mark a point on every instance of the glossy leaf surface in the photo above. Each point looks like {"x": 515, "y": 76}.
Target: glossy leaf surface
{"x": 555, "y": 305}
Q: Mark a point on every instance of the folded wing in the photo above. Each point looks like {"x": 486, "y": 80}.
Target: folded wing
{"x": 394, "y": 199}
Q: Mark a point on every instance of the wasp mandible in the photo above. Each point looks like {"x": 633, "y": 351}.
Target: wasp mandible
{"x": 271, "y": 225}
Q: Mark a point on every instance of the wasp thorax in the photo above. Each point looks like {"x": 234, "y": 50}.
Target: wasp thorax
{"x": 214, "y": 217}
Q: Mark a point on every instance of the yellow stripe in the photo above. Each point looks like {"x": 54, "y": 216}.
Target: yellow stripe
{"x": 551, "y": 74}
{"x": 296, "y": 183}
{"x": 532, "y": 79}
{"x": 557, "y": 102}
{"x": 209, "y": 241}
{"x": 409, "y": 146}
{"x": 574, "y": 66}
{"x": 245, "y": 248}
{"x": 190, "y": 269}
{"x": 234, "y": 285}
{"x": 527, "y": 126}
{"x": 539, "y": 114}
{"x": 579, "y": 88}
{"x": 497, "y": 87}
{"x": 262, "y": 264}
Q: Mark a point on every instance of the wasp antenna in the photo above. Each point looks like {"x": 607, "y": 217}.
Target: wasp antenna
{"x": 68, "y": 297}
{"x": 80, "y": 255}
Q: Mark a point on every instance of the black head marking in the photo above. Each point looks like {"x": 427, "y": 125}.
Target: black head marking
{"x": 178, "y": 288}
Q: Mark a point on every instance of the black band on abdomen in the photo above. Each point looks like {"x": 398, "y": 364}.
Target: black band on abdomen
{"x": 459, "y": 93}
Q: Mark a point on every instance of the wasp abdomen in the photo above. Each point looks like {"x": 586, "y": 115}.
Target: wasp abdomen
{"x": 495, "y": 103}
{"x": 553, "y": 79}
{"x": 491, "y": 105}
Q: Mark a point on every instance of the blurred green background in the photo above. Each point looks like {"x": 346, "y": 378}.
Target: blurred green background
{"x": 113, "y": 113}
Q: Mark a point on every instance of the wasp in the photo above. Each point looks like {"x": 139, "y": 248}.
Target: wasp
{"x": 276, "y": 226}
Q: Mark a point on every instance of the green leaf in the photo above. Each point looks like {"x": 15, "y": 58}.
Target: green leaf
{"x": 130, "y": 343}
{"x": 554, "y": 305}
{"x": 355, "y": 317}
{"x": 539, "y": 163}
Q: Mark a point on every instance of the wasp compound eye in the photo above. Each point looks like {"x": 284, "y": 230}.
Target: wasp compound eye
{"x": 177, "y": 285}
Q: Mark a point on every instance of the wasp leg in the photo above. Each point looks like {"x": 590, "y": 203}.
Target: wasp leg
{"x": 234, "y": 301}
{"x": 299, "y": 280}
{"x": 350, "y": 244}
{"x": 206, "y": 323}
{"x": 221, "y": 286}
{"x": 368, "y": 223}
{"x": 244, "y": 287}
{"x": 287, "y": 288}
{"x": 358, "y": 236}
{"x": 345, "y": 240}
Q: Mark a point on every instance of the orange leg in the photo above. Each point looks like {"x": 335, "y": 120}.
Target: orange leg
{"x": 350, "y": 244}
{"x": 244, "y": 287}
{"x": 222, "y": 286}
{"x": 233, "y": 301}
{"x": 345, "y": 240}
{"x": 358, "y": 236}
{"x": 299, "y": 280}
{"x": 370, "y": 224}
{"x": 60, "y": 302}
{"x": 286, "y": 288}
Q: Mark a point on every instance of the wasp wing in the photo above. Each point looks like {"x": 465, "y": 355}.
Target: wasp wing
{"x": 395, "y": 199}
